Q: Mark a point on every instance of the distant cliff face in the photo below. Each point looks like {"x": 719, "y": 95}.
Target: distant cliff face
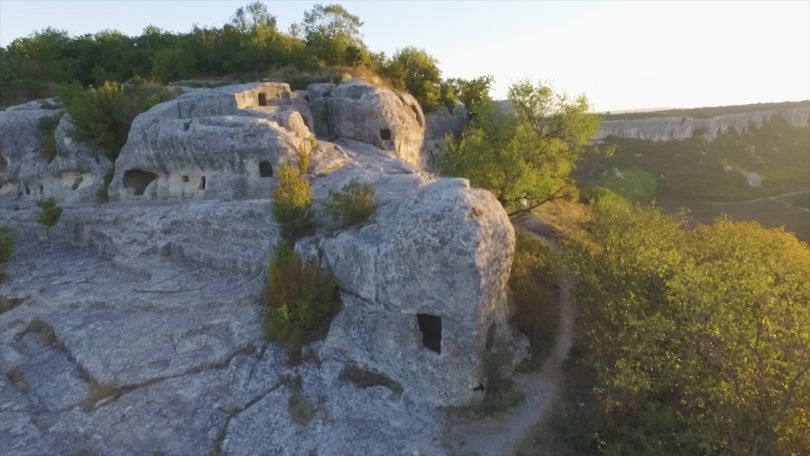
{"x": 677, "y": 128}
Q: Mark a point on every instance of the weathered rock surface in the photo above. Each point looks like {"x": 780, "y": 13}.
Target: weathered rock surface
{"x": 138, "y": 328}
{"x": 411, "y": 262}
{"x": 218, "y": 143}
{"x": 72, "y": 175}
{"x": 364, "y": 112}
{"x": 678, "y": 128}
{"x": 439, "y": 123}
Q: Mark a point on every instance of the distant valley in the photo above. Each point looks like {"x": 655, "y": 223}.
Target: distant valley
{"x": 733, "y": 160}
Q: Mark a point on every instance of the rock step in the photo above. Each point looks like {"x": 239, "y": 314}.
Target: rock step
{"x": 231, "y": 253}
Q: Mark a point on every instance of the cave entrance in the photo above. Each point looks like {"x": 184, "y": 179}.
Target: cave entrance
{"x": 431, "y": 327}
{"x": 265, "y": 169}
{"x": 138, "y": 180}
{"x": 262, "y": 99}
{"x": 202, "y": 183}
{"x": 77, "y": 182}
{"x": 3, "y": 163}
{"x": 385, "y": 134}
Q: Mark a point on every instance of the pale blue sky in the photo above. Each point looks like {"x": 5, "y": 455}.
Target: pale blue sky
{"x": 623, "y": 55}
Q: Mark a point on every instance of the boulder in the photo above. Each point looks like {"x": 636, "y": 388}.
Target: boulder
{"x": 21, "y": 159}
{"x": 424, "y": 284}
{"x": 73, "y": 175}
{"x": 357, "y": 110}
{"x": 220, "y": 143}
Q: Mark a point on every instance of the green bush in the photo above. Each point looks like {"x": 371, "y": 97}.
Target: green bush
{"x": 102, "y": 116}
{"x": 8, "y": 241}
{"x": 300, "y": 297}
{"x": 292, "y": 203}
{"x": 49, "y": 214}
{"x": 47, "y": 144}
{"x": 101, "y": 192}
{"x": 417, "y": 72}
{"x": 353, "y": 204}
{"x": 697, "y": 337}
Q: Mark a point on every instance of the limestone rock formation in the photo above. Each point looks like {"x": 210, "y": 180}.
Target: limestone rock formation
{"x": 138, "y": 330}
{"x": 418, "y": 306}
{"x": 364, "y": 112}
{"x": 74, "y": 173}
{"x": 678, "y": 128}
{"x": 219, "y": 143}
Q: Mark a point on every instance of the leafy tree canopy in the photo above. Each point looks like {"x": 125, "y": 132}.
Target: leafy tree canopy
{"x": 700, "y": 338}
{"x": 524, "y": 155}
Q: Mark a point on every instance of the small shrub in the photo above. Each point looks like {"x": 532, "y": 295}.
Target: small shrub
{"x": 47, "y": 128}
{"x": 8, "y": 241}
{"x": 292, "y": 203}
{"x": 300, "y": 297}
{"x": 353, "y": 204}
{"x": 101, "y": 193}
{"x": 49, "y": 215}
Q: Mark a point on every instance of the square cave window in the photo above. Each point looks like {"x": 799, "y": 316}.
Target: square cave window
{"x": 385, "y": 134}
{"x": 185, "y": 179}
{"x": 262, "y": 99}
{"x": 431, "y": 327}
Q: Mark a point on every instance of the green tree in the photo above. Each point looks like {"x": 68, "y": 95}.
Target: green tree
{"x": 253, "y": 16}
{"x": 474, "y": 93}
{"x": 49, "y": 214}
{"x": 416, "y": 71}
{"x": 332, "y": 35}
{"x": 700, "y": 338}
{"x": 524, "y": 157}
{"x": 102, "y": 116}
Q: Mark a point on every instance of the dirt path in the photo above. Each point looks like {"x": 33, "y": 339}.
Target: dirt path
{"x": 500, "y": 435}
{"x": 764, "y": 198}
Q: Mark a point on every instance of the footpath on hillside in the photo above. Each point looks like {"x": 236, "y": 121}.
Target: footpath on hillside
{"x": 502, "y": 434}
